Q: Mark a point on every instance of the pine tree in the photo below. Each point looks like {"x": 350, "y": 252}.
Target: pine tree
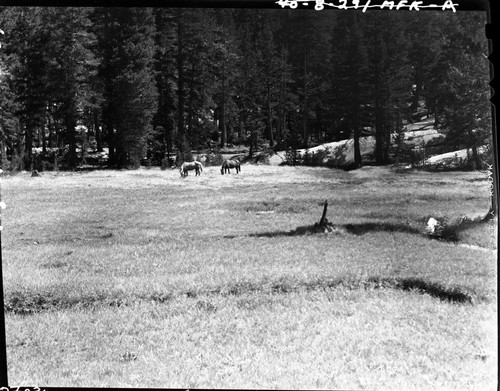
{"x": 466, "y": 112}
{"x": 135, "y": 84}
{"x": 28, "y": 41}
{"x": 9, "y": 123}
{"x": 165, "y": 66}
{"x": 250, "y": 84}
{"x": 224, "y": 67}
{"x": 126, "y": 42}
{"x": 349, "y": 67}
{"x": 73, "y": 64}
{"x": 390, "y": 83}
{"x": 306, "y": 37}
{"x": 269, "y": 62}
{"x": 183, "y": 147}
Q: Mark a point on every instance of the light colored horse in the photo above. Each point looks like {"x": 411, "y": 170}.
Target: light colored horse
{"x": 228, "y": 164}
{"x": 188, "y": 166}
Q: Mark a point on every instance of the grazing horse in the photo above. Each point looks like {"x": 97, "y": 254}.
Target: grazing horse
{"x": 188, "y": 166}
{"x": 228, "y": 164}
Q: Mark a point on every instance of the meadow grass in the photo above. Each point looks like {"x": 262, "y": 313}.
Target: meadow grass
{"x": 201, "y": 282}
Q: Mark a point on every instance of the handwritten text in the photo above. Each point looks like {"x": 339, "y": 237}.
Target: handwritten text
{"x": 413, "y": 5}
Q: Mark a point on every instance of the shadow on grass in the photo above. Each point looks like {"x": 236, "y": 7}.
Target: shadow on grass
{"x": 356, "y": 229}
{"x": 433, "y": 289}
{"x": 27, "y": 303}
{"x": 362, "y": 228}
{"x": 455, "y": 295}
{"x": 454, "y": 231}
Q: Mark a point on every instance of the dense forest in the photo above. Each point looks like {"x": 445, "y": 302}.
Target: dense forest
{"x": 146, "y": 83}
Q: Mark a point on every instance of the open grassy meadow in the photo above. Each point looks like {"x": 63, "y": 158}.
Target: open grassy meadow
{"x": 146, "y": 279}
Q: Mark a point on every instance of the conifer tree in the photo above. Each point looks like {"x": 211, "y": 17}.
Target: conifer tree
{"x": 224, "y": 64}
{"x": 72, "y": 65}
{"x": 165, "y": 66}
{"x": 389, "y": 78}
{"x": 27, "y": 41}
{"x": 349, "y": 67}
{"x": 466, "y": 110}
{"x": 9, "y": 123}
{"x": 127, "y": 49}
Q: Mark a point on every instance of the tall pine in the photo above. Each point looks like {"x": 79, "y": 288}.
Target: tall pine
{"x": 127, "y": 48}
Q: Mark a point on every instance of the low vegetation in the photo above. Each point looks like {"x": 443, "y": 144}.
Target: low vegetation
{"x": 142, "y": 278}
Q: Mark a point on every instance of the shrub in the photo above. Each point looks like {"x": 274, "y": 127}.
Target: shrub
{"x": 313, "y": 158}
{"x": 167, "y": 163}
{"x": 337, "y": 157}
{"x": 262, "y": 158}
{"x": 147, "y": 163}
{"x": 45, "y": 161}
{"x": 214, "y": 159}
{"x": 292, "y": 157}
{"x": 405, "y": 153}
{"x": 17, "y": 163}
{"x": 181, "y": 157}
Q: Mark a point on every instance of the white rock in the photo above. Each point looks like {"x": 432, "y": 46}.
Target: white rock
{"x": 431, "y": 225}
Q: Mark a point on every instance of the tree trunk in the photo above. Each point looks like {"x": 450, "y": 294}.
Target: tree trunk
{"x": 44, "y": 139}
{"x": 280, "y": 121}
{"x": 357, "y": 128}
{"x": 111, "y": 142}
{"x": 3, "y": 155}
{"x": 190, "y": 111}
{"x": 50, "y": 127}
{"x": 357, "y": 149}
{"x": 71, "y": 134}
{"x": 418, "y": 85}
{"x": 305, "y": 108}
{"x": 379, "y": 132}
{"x": 28, "y": 145}
{"x": 222, "y": 113}
{"x": 97, "y": 128}
{"x": 269, "y": 118}
{"x": 181, "y": 133}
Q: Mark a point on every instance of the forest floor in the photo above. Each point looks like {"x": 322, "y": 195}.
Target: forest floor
{"x": 146, "y": 279}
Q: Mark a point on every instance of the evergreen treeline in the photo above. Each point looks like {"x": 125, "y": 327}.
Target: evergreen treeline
{"x": 157, "y": 82}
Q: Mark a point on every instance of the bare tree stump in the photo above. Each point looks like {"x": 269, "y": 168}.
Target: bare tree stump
{"x": 323, "y": 226}
{"x": 35, "y": 173}
{"x": 323, "y": 219}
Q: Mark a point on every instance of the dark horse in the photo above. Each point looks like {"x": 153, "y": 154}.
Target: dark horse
{"x": 228, "y": 164}
{"x": 188, "y": 166}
